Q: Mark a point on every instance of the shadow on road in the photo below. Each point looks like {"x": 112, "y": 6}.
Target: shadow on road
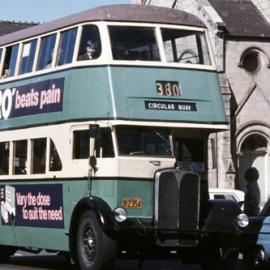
{"x": 50, "y": 262}
{"x": 25, "y": 261}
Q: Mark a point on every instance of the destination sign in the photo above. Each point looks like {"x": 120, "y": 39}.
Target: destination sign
{"x": 170, "y": 106}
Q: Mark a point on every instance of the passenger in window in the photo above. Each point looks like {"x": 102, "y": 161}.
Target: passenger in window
{"x": 5, "y": 71}
{"x": 49, "y": 62}
{"x": 20, "y": 167}
{"x": 91, "y": 51}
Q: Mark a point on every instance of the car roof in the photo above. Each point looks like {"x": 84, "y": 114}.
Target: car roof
{"x": 239, "y": 193}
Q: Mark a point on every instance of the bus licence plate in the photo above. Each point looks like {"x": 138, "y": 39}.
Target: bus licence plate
{"x": 132, "y": 202}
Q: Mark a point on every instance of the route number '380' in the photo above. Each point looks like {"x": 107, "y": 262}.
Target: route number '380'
{"x": 168, "y": 88}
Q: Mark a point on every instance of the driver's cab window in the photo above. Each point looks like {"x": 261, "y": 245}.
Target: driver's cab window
{"x": 183, "y": 46}
{"x": 104, "y": 144}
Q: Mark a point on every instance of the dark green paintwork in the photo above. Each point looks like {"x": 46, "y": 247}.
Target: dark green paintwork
{"x": 87, "y": 95}
{"x": 111, "y": 191}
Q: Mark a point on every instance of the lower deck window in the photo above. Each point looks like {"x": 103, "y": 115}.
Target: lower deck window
{"x": 4, "y": 158}
{"x": 39, "y": 155}
{"x": 143, "y": 141}
{"x": 55, "y": 161}
{"x": 104, "y": 144}
{"x": 80, "y": 144}
{"x": 20, "y": 157}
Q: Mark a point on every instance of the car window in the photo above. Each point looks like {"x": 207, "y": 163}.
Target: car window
{"x": 225, "y": 197}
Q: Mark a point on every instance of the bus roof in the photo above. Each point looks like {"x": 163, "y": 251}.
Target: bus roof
{"x": 119, "y": 13}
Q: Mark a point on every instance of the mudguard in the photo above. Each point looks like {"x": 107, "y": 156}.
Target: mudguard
{"x": 103, "y": 213}
{"x": 222, "y": 217}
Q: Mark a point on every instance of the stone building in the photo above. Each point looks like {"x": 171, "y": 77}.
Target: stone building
{"x": 240, "y": 35}
{"x": 11, "y": 26}
{"x": 264, "y": 7}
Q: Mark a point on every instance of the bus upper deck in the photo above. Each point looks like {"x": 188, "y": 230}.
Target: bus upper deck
{"x": 149, "y": 64}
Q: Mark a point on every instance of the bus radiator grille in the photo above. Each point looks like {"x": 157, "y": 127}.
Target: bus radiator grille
{"x": 177, "y": 201}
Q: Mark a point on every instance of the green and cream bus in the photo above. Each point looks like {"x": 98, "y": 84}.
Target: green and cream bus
{"x": 104, "y": 122}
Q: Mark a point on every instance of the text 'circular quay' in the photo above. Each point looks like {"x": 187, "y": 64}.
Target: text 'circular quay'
{"x": 124, "y": 128}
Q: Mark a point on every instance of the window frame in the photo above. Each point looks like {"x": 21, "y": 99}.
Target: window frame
{"x": 4, "y": 61}
{"x": 33, "y": 156}
{"x": 163, "y": 61}
{"x": 60, "y": 43}
{"x": 85, "y": 129}
{"x": 106, "y": 54}
{"x": 50, "y": 51}
{"x": 26, "y": 161}
{"x": 136, "y": 28}
{"x": 21, "y": 55}
{"x": 9, "y": 158}
{"x": 79, "y": 40}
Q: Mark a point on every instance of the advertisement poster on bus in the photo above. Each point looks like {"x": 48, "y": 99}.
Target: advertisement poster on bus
{"x": 32, "y": 205}
{"x": 41, "y": 97}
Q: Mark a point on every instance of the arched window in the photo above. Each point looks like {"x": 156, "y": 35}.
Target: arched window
{"x": 253, "y": 143}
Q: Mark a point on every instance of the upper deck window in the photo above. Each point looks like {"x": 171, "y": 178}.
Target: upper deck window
{"x": 90, "y": 45}
{"x": 27, "y": 57}
{"x": 66, "y": 47}
{"x": 10, "y": 61}
{"x": 46, "y": 52}
{"x": 134, "y": 43}
{"x": 185, "y": 46}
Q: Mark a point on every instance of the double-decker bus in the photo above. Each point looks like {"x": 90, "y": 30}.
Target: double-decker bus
{"x": 104, "y": 122}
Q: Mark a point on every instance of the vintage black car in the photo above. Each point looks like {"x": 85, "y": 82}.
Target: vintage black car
{"x": 255, "y": 240}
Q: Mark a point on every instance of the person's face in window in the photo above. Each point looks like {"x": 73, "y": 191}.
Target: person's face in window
{"x": 90, "y": 48}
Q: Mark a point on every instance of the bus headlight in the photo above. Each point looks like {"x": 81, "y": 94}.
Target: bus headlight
{"x": 120, "y": 214}
{"x": 242, "y": 220}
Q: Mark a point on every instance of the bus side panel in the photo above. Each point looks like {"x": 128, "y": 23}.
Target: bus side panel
{"x": 147, "y": 93}
{"x": 136, "y": 195}
{"x": 38, "y": 214}
{"x": 57, "y": 97}
{"x": 122, "y": 92}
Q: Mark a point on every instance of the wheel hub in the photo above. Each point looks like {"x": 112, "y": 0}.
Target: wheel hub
{"x": 89, "y": 244}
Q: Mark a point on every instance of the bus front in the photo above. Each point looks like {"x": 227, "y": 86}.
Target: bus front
{"x": 165, "y": 101}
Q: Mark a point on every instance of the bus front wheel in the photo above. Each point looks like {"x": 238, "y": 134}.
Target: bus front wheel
{"x": 95, "y": 250}
{"x": 5, "y": 253}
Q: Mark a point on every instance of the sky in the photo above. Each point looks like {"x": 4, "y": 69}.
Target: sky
{"x": 47, "y": 10}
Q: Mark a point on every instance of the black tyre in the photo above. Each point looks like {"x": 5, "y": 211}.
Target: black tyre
{"x": 220, "y": 259}
{"x": 5, "y": 253}
{"x": 95, "y": 250}
{"x": 212, "y": 260}
{"x": 254, "y": 259}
